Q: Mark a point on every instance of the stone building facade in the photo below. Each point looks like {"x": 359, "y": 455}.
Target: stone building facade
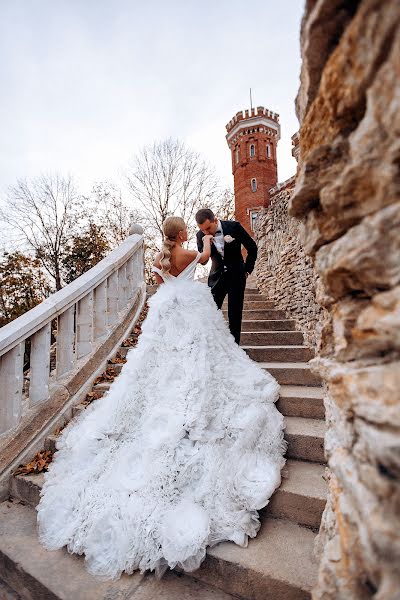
{"x": 252, "y": 137}
{"x": 342, "y": 229}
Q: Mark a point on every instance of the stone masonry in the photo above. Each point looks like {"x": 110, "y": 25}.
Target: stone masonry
{"x": 330, "y": 252}
{"x": 284, "y": 272}
{"x": 347, "y": 197}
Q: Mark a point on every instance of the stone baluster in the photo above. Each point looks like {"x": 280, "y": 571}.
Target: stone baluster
{"x": 65, "y": 342}
{"x": 141, "y": 263}
{"x": 138, "y": 258}
{"x": 122, "y": 291}
{"x": 84, "y": 326}
{"x": 100, "y": 310}
{"x": 11, "y": 377}
{"x": 112, "y": 298}
{"x": 40, "y": 365}
{"x": 139, "y": 266}
{"x": 130, "y": 277}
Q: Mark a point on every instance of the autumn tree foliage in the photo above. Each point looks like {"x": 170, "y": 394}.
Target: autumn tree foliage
{"x": 83, "y": 251}
{"x": 22, "y": 285}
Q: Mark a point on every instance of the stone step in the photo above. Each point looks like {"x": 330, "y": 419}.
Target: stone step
{"x": 38, "y": 574}
{"x": 294, "y": 373}
{"x": 301, "y": 401}
{"x": 251, "y": 288}
{"x": 278, "y": 564}
{"x": 279, "y": 353}
{"x": 50, "y": 443}
{"x": 100, "y": 388}
{"x": 271, "y": 338}
{"x": 252, "y": 295}
{"x": 269, "y": 325}
{"x": 250, "y": 315}
{"x": 123, "y": 350}
{"x": 76, "y": 410}
{"x": 306, "y": 439}
{"x": 117, "y": 367}
{"x": 6, "y": 593}
{"x": 290, "y": 373}
{"x": 301, "y": 496}
{"x": 252, "y": 304}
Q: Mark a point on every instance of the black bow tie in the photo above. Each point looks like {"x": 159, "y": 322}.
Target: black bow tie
{"x": 218, "y": 232}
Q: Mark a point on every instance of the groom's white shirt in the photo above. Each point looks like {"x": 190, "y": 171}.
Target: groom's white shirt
{"x": 219, "y": 241}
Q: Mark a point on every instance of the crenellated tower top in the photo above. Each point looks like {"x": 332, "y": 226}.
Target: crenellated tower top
{"x": 268, "y": 117}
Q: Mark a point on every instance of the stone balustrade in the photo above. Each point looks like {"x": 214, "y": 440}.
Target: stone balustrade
{"x": 85, "y": 310}
{"x": 97, "y": 308}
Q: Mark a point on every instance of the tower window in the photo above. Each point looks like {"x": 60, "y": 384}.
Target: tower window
{"x": 253, "y": 219}
{"x": 254, "y": 184}
{"x": 237, "y": 154}
{"x": 268, "y": 150}
{"x": 252, "y": 150}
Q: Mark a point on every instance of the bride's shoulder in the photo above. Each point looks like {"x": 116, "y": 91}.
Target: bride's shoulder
{"x": 191, "y": 253}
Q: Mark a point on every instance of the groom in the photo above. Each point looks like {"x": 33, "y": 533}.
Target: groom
{"x": 229, "y": 271}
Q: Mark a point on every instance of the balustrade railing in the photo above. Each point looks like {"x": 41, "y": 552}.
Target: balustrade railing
{"x": 85, "y": 312}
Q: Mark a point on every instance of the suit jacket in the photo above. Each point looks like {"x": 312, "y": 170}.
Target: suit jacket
{"x": 233, "y": 259}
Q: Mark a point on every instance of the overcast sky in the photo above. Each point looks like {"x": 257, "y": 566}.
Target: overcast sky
{"x": 85, "y": 83}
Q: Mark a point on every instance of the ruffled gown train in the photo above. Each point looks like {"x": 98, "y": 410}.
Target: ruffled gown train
{"x": 181, "y": 452}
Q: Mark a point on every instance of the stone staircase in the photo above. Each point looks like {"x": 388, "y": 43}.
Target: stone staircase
{"x": 277, "y": 565}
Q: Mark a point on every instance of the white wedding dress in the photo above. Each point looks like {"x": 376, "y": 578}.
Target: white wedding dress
{"x": 178, "y": 455}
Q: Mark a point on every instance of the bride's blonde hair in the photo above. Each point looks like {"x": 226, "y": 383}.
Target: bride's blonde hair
{"x": 171, "y": 227}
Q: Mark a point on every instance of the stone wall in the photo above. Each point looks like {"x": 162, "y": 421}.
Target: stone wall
{"x": 284, "y": 272}
{"x": 347, "y": 197}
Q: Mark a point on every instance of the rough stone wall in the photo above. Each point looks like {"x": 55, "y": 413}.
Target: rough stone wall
{"x": 283, "y": 271}
{"x": 347, "y": 196}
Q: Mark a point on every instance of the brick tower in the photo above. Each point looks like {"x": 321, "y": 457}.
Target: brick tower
{"x": 252, "y": 138}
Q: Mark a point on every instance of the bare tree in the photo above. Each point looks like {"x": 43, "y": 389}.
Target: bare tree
{"x": 223, "y": 205}
{"x": 109, "y": 211}
{"x": 169, "y": 178}
{"x": 44, "y": 213}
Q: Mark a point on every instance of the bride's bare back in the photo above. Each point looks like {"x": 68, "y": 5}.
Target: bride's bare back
{"x": 180, "y": 259}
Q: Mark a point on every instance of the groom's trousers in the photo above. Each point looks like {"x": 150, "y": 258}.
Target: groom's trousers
{"x": 233, "y": 285}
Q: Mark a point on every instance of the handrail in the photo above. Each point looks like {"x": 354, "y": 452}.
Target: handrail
{"x": 28, "y": 323}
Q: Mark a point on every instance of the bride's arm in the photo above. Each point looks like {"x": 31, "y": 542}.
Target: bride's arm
{"x": 157, "y": 264}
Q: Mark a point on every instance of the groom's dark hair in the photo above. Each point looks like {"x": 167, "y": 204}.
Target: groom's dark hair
{"x": 203, "y": 214}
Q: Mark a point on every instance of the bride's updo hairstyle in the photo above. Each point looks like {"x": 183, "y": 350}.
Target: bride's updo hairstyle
{"x": 171, "y": 227}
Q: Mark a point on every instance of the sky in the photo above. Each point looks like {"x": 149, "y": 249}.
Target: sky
{"x": 87, "y": 83}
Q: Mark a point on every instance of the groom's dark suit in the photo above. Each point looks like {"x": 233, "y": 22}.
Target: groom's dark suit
{"x": 228, "y": 273}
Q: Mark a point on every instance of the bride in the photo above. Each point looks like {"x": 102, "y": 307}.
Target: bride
{"x": 181, "y": 452}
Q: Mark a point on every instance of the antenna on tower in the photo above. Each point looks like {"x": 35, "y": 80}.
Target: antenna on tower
{"x": 251, "y": 101}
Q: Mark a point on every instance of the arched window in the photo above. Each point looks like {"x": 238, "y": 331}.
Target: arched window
{"x": 254, "y": 184}
{"x": 252, "y": 150}
{"x": 253, "y": 219}
{"x": 268, "y": 150}
{"x": 237, "y": 154}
